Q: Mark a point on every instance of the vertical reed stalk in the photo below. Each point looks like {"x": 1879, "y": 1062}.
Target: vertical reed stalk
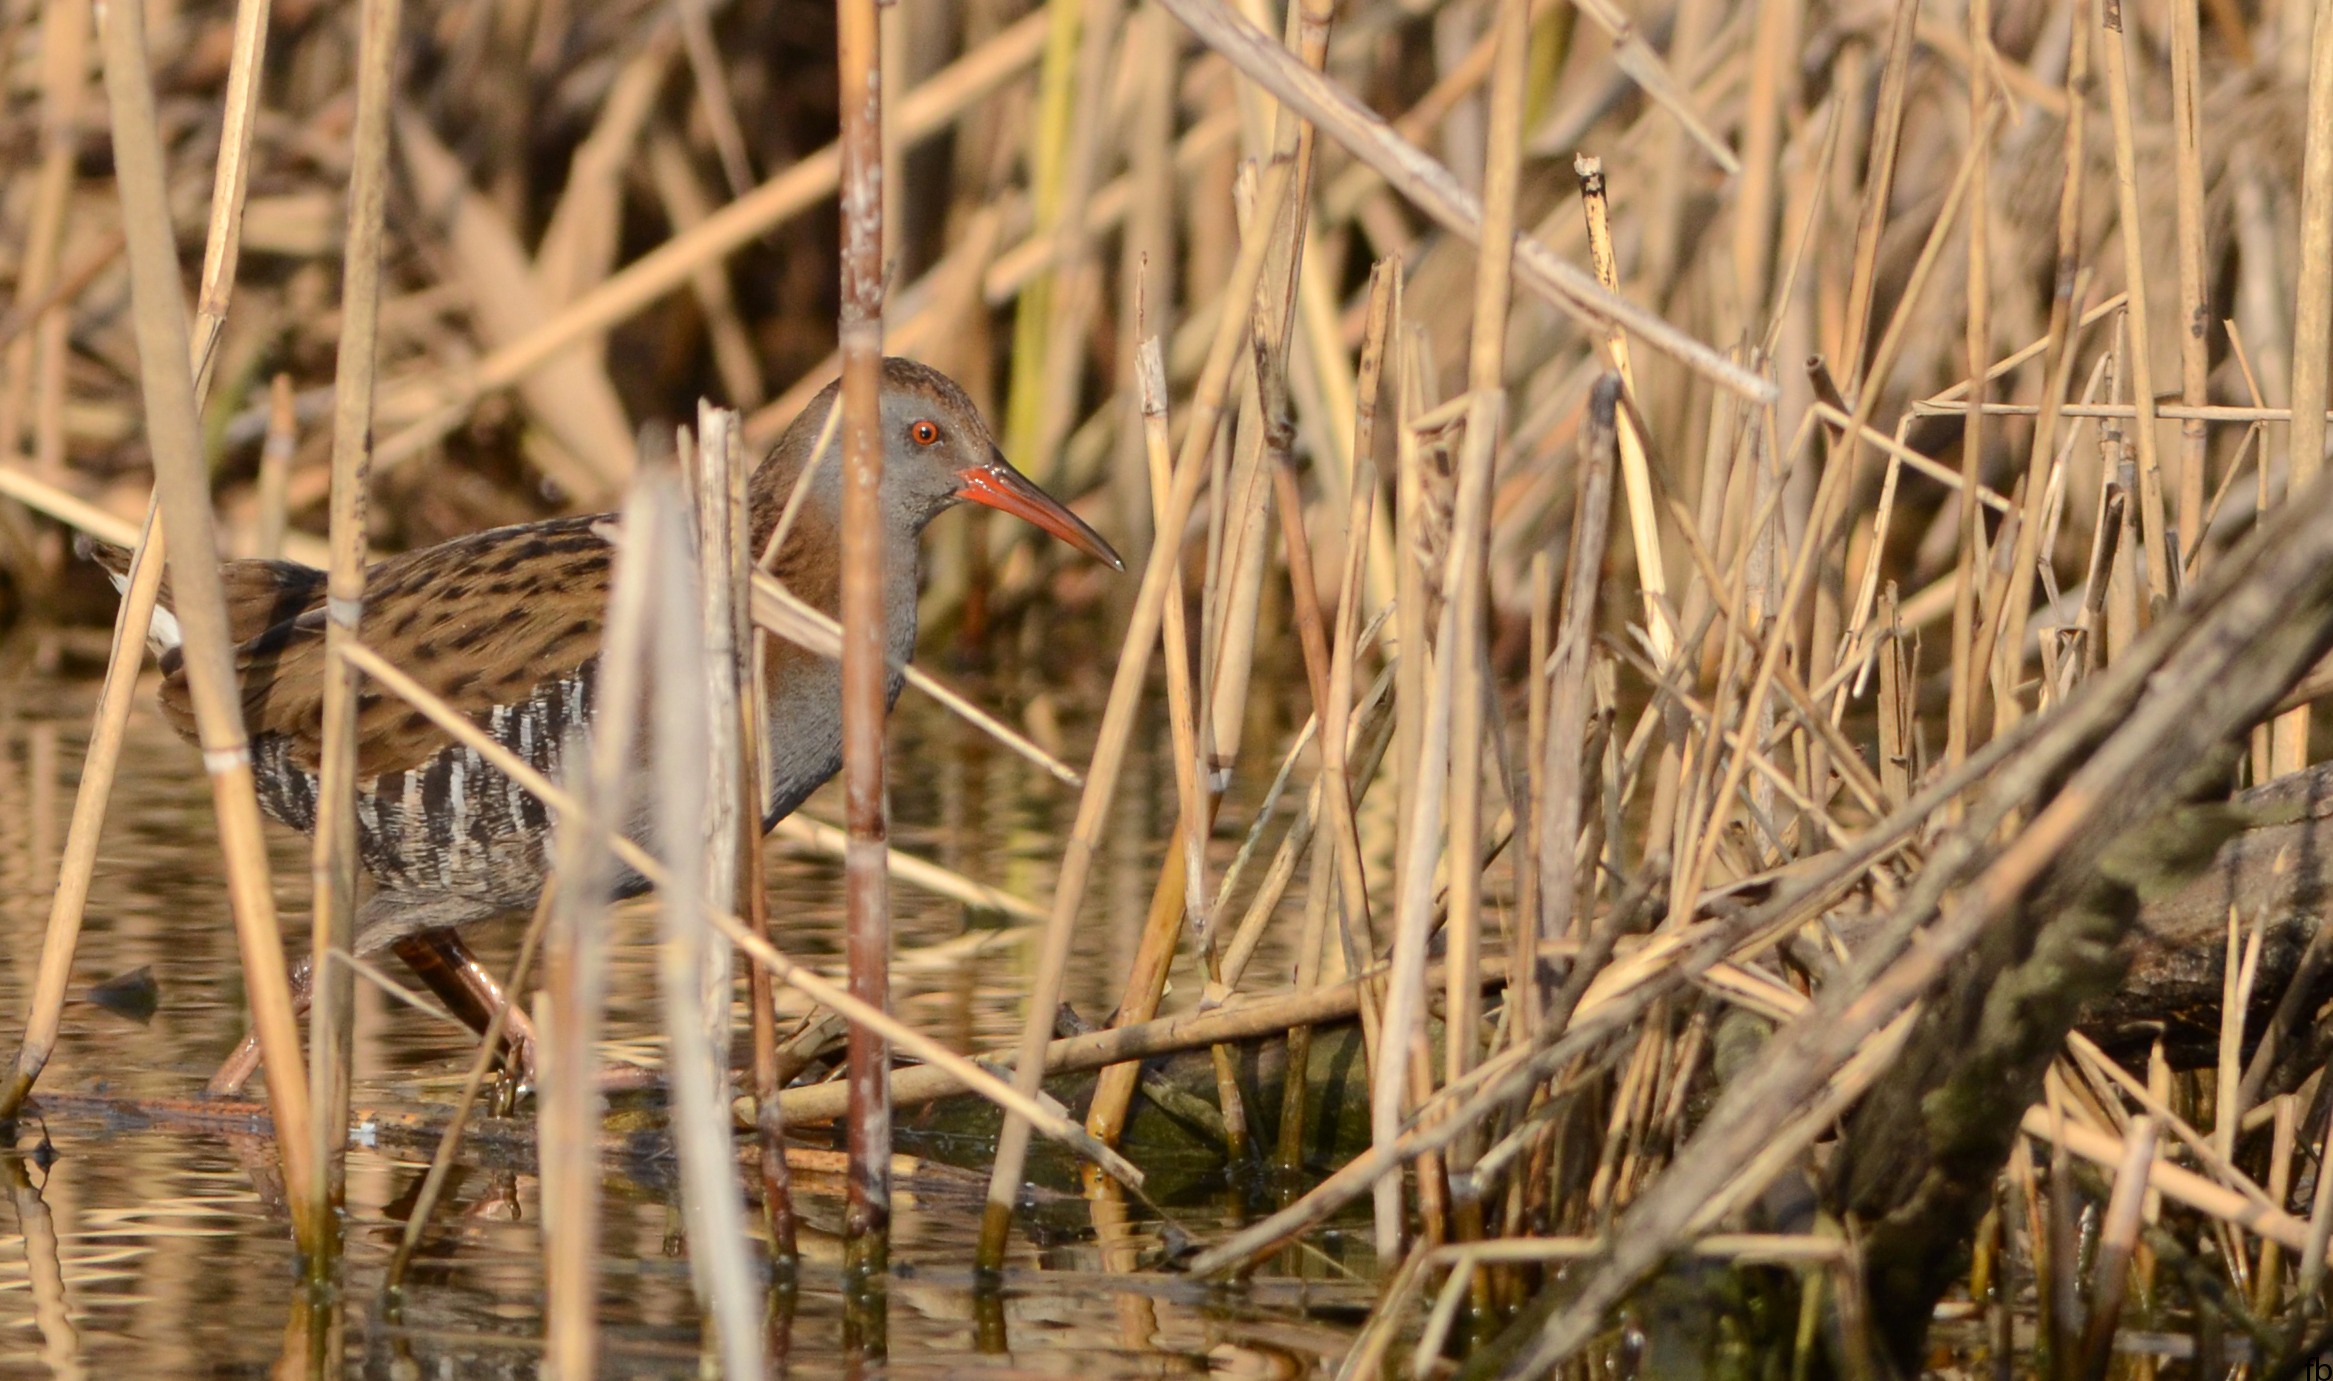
{"x": 1469, "y": 654}
{"x": 2194, "y": 308}
{"x": 1191, "y": 826}
{"x": 2312, "y": 338}
{"x": 1560, "y": 772}
{"x": 569, "y": 1010}
{"x": 199, "y": 598}
{"x": 2118, "y": 1231}
{"x": 2070, "y": 283}
{"x": 684, "y": 792}
{"x": 867, "y": 1218}
{"x": 1523, "y": 979}
{"x": 1969, "y": 571}
{"x": 1644, "y": 521}
{"x": 333, "y": 858}
{"x": 720, "y": 620}
{"x": 223, "y": 246}
{"x": 2140, "y": 362}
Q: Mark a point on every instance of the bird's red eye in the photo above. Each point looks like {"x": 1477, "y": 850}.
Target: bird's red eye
{"x": 925, "y": 433}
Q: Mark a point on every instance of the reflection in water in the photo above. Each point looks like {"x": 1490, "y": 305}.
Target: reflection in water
{"x": 60, "y": 1344}
{"x": 158, "y": 1247}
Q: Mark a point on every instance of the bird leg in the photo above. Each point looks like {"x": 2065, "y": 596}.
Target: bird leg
{"x": 446, "y": 967}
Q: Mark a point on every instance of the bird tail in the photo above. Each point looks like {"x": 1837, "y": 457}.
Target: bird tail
{"x": 162, "y": 633}
{"x": 259, "y": 594}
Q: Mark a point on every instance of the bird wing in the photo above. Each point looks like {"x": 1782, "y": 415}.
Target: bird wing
{"x": 482, "y": 621}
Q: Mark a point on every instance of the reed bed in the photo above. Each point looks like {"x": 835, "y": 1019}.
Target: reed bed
{"x": 1773, "y": 703}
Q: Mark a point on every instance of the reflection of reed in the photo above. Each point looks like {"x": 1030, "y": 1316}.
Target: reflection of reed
{"x": 60, "y": 1343}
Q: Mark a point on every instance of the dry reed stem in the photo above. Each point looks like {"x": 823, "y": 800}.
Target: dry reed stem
{"x": 697, "y": 1068}
{"x": 1191, "y": 826}
{"x": 2139, "y": 360}
{"x": 182, "y": 479}
{"x": 717, "y": 494}
{"x": 1468, "y": 654}
{"x": 826, "y": 841}
{"x": 2312, "y": 338}
{"x": 1118, "y": 723}
{"x": 2194, "y": 309}
{"x": 333, "y": 865}
{"x": 571, "y": 1006}
{"x": 1644, "y": 523}
{"x": 1969, "y": 567}
{"x": 865, "y": 623}
{"x": 2118, "y": 1232}
{"x": 223, "y": 243}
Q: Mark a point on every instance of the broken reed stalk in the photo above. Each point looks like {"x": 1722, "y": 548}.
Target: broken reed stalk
{"x": 1117, "y": 725}
{"x": 714, "y": 481}
{"x": 697, "y": 1069}
{"x": 333, "y": 867}
{"x": 867, "y": 938}
{"x": 2312, "y": 337}
{"x": 1190, "y": 795}
{"x": 1636, "y": 473}
{"x": 198, "y": 596}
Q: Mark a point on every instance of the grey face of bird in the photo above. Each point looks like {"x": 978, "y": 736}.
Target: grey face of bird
{"x": 937, "y": 453}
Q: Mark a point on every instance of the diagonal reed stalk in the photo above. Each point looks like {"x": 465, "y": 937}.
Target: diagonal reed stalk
{"x": 221, "y": 252}
{"x": 199, "y": 601}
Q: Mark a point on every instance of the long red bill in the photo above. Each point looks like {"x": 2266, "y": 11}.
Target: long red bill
{"x": 998, "y": 485}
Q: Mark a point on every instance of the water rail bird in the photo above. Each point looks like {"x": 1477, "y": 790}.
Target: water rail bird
{"x": 505, "y": 626}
